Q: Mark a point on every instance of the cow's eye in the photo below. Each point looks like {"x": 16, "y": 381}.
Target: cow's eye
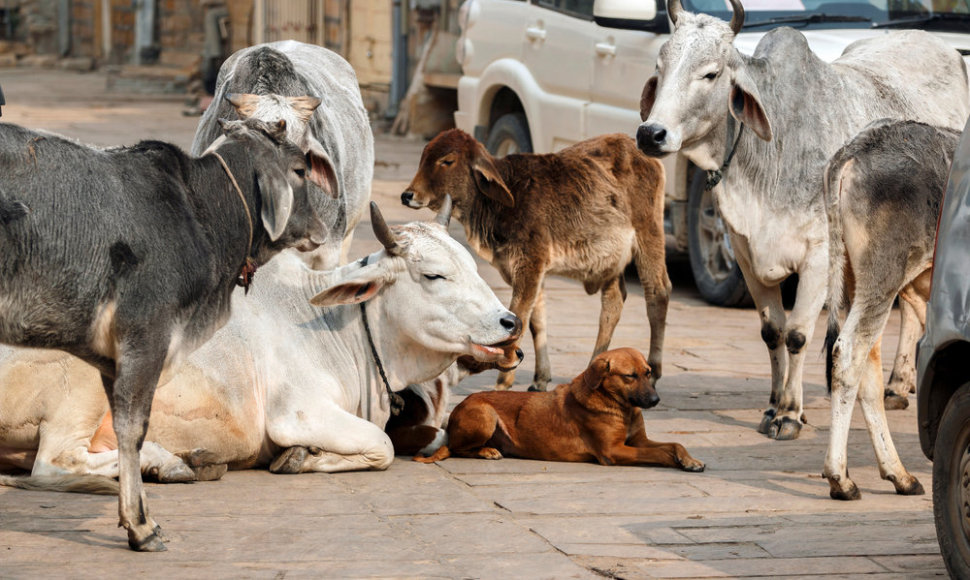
{"x": 711, "y": 76}
{"x": 447, "y": 162}
{"x": 301, "y": 172}
{"x": 434, "y": 277}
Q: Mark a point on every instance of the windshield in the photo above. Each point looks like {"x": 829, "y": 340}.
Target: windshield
{"x": 767, "y": 14}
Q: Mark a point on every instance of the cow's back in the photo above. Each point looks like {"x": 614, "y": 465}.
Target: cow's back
{"x": 910, "y": 74}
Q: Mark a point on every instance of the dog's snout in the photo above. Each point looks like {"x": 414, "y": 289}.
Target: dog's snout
{"x": 407, "y": 197}
{"x": 650, "y": 139}
{"x": 511, "y": 323}
{"x": 652, "y": 400}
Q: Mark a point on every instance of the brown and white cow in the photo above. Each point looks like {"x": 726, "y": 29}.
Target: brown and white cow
{"x": 584, "y": 212}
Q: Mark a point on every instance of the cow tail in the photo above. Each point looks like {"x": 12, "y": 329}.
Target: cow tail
{"x": 832, "y": 190}
{"x": 95, "y": 484}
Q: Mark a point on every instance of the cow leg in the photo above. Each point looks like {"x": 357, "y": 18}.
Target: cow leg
{"x": 612, "y": 297}
{"x": 130, "y": 394}
{"x": 809, "y": 299}
{"x": 902, "y": 380}
{"x": 526, "y": 282}
{"x": 871, "y": 401}
{"x": 652, "y": 270}
{"x": 326, "y": 438}
{"x": 852, "y": 355}
{"x": 771, "y": 311}
{"x": 537, "y": 325}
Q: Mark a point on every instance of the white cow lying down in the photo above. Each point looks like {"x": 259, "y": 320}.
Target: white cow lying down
{"x": 282, "y": 375}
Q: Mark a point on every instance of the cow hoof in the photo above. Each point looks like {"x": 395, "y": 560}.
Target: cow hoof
{"x": 290, "y": 461}
{"x": 210, "y": 472}
{"x": 785, "y": 429}
{"x": 538, "y": 388}
{"x": 907, "y": 485}
{"x": 175, "y": 472}
{"x": 199, "y": 458}
{"x": 766, "y": 420}
{"x": 153, "y": 543}
{"x": 894, "y": 402}
{"x": 843, "y": 490}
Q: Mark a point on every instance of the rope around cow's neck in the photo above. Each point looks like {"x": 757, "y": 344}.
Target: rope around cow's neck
{"x": 395, "y": 400}
{"x": 249, "y": 267}
{"x": 714, "y": 177}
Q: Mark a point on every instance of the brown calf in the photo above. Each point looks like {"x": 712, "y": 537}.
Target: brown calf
{"x": 584, "y": 213}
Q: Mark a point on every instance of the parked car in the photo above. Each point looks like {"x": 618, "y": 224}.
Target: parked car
{"x": 943, "y": 372}
{"x": 539, "y": 75}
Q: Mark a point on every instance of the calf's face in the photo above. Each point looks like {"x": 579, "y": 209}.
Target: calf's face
{"x": 455, "y": 164}
{"x": 288, "y": 213}
{"x": 297, "y": 113}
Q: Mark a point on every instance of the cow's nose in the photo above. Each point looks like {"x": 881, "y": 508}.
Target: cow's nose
{"x": 511, "y": 323}
{"x": 519, "y": 354}
{"x": 650, "y": 137}
{"x": 406, "y": 197}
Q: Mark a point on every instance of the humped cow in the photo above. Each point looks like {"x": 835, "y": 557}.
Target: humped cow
{"x": 127, "y": 258}
{"x": 316, "y": 92}
{"x": 776, "y": 118}
{"x": 284, "y": 375}
{"x": 883, "y": 192}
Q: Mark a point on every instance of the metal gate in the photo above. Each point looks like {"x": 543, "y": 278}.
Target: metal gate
{"x": 311, "y": 21}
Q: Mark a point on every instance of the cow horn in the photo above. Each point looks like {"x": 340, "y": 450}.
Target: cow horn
{"x": 381, "y": 230}
{"x": 673, "y": 10}
{"x": 737, "y": 19}
{"x": 444, "y": 214}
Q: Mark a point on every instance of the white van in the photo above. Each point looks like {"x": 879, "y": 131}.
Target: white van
{"x": 539, "y": 75}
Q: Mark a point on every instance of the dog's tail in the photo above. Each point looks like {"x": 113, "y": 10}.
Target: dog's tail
{"x": 95, "y": 484}
{"x": 832, "y": 190}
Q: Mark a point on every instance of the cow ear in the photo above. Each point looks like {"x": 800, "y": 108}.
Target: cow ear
{"x": 322, "y": 171}
{"x": 277, "y": 201}
{"x": 746, "y": 107}
{"x": 489, "y": 182}
{"x": 245, "y": 104}
{"x": 304, "y": 106}
{"x": 647, "y": 97}
{"x": 354, "y": 290}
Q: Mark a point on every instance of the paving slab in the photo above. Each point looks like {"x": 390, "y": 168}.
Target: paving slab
{"x": 760, "y": 510}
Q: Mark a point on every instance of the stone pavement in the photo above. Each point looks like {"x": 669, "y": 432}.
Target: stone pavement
{"x": 760, "y": 509}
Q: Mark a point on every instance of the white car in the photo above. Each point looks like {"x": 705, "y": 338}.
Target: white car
{"x": 540, "y": 75}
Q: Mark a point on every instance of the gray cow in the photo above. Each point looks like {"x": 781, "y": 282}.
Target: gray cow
{"x": 316, "y": 92}
{"x": 792, "y": 112}
{"x": 883, "y": 192}
{"x": 127, "y": 258}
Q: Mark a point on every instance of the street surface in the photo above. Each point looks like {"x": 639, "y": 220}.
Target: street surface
{"x": 761, "y": 509}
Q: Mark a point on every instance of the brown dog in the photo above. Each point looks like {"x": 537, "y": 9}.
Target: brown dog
{"x": 596, "y": 417}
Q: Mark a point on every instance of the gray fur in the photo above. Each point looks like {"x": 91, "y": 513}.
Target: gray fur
{"x": 883, "y": 192}
{"x": 796, "y": 111}
{"x": 127, "y": 257}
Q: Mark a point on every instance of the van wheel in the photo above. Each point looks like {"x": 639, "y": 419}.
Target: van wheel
{"x": 951, "y": 484}
{"x": 716, "y": 272}
{"x": 509, "y": 134}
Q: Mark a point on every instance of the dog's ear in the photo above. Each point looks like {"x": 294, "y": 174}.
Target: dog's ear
{"x": 594, "y": 374}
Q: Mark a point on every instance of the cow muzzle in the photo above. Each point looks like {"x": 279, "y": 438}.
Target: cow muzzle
{"x": 408, "y": 199}
{"x": 653, "y": 139}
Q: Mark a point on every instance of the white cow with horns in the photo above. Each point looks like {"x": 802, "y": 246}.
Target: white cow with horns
{"x": 284, "y": 383}
{"x": 789, "y": 112}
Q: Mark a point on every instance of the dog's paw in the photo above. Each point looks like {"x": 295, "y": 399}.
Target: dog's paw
{"x": 489, "y": 453}
{"x": 691, "y": 464}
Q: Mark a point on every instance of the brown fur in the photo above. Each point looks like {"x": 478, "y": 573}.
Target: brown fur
{"x": 596, "y": 417}
{"x": 583, "y": 212}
